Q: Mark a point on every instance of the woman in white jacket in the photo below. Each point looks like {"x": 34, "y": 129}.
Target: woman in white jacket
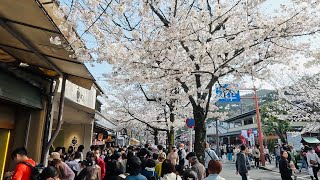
{"x": 168, "y": 171}
{"x": 313, "y": 161}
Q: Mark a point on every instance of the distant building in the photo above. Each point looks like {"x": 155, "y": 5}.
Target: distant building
{"x": 246, "y": 121}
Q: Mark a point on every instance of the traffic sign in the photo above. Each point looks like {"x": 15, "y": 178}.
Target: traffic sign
{"x": 190, "y": 122}
{"x": 226, "y": 94}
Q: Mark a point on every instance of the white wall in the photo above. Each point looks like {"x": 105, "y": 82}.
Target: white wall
{"x": 80, "y": 95}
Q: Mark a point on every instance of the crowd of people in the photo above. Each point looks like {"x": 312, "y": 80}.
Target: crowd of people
{"x": 115, "y": 163}
{"x": 152, "y": 162}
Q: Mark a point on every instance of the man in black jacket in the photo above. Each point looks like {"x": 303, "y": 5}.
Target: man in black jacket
{"x": 242, "y": 163}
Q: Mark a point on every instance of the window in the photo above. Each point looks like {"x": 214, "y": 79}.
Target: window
{"x": 248, "y": 121}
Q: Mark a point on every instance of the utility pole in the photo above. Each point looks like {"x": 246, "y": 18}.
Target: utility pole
{"x": 190, "y": 144}
{"x": 263, "y": 160}
{"x": 217, "y": 139}
{"x": 260, "y": 134}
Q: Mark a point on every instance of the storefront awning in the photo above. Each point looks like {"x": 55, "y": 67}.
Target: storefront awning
{"x": 103, "y": 122}
{"x": 25, "y": 31}
{"x": 311, "y": 140}
{"x": 19, "y": 91}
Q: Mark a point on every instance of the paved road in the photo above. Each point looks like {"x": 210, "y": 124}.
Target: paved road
{"x": 229, "y": 170}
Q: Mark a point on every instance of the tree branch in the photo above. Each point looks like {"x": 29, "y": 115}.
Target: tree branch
{"x": 161, "y": 17}
{"x": 145, "y": 95}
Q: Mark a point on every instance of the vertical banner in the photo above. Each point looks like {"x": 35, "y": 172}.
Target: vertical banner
{"x": 251, "y": 140}
{"x": 244, "y": 133}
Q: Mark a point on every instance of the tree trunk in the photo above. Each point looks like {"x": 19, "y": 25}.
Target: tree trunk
{"x": 280, "y": 135}
{"x": 170, "y": 138}
{"x": 155, "y": 134}
{"x": 200, "y": 132}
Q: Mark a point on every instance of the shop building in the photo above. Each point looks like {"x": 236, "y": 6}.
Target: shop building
{"x": 30, "y": 70}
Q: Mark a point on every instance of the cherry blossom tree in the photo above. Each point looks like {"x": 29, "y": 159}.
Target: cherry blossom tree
{"x": 301, "y": 101}
{"x": 190, "y": 45}
{"x": 133, "y": 108}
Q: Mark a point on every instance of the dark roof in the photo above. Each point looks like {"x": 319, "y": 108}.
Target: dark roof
{"x": 241, "y": 116}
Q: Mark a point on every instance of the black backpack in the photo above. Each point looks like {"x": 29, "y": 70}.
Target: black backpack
{"x": 35, "y": 171}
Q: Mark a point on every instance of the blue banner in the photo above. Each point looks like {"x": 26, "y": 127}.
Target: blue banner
{"x": 227, "y": 95}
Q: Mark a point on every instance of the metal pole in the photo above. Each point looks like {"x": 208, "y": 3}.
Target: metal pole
{"x": 190, "y": 148}
{"x": 263, "y": 161}
{"x": 217, "y": 139}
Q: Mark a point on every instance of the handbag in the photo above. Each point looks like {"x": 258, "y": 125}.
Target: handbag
{"x": 313, "y": 162}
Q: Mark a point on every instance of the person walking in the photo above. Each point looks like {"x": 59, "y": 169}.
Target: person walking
{"x": 49, "y": 173}
{"x": 134, "y": 168}
{"x": 159, "y": 165}
{"x": 74, "y": 162}
{"x": 303, "y": 155}
{"x": 100, "y": 161}
{"x": 214, "y": 168}
{"x": 242, "y": 163}
{"x": 190, "y": 175}
{"x": 277, "y": 150}
{"x": 64, "y": 171}
{"x": 208, "y": 156}
{"x": 229, "y": 152}
{"x": 196, "y": 165}
{"x": 80, "y": 150}
{"x": 173, "y": 156}
{"x": 182, "y": 154}
{"x": 89, "y": 171}
{"x": 313, "y": 161}
{"x": 168, "y": 171}
{"x": 114, "y": 167}
{"x": 149, "y": 170}
{"x": 23, "y": 169}
{"x": 284, "y": 167}
{"x": 267, "y": 154}
{"x": 256, "y": 155}
{"x": 160, "y": 151}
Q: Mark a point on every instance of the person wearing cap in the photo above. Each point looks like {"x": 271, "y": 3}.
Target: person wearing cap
{"x": 89, "y": 171}
{"x": 64, "y": 171}
{"x": 134, "y": 168}
{"x": 196, "y": 165}
{"x": 173, "y": 156}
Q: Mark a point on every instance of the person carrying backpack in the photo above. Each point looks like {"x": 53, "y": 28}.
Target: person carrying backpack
{"x": 25, "y": 168}
{"x": 149, "y": 170}
{"x": 209, "y": 155}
